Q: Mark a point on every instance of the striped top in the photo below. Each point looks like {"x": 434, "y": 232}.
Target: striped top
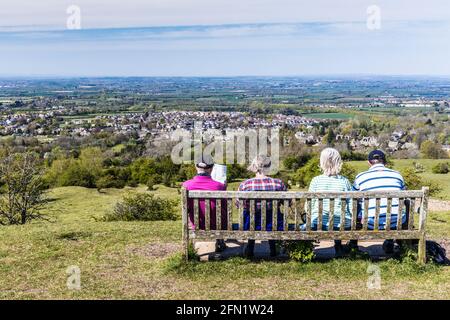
{"x": 380, "y": 178}
{"x": 325, "y": 183}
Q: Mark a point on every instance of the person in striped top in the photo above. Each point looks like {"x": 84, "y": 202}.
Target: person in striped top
{"x": 261, "y": 182}
{"x": 330, "y": 180}
{"x": 379, "y": 178}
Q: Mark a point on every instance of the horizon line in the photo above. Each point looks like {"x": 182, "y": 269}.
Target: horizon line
{"x": 338, "y": 75}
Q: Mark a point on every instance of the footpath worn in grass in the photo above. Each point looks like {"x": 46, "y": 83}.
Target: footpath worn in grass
{"x": 124, "y": 260}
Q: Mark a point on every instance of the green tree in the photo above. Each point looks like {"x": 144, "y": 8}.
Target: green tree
{"x": 330, "y": 138}
{"x": 22, "y": 188}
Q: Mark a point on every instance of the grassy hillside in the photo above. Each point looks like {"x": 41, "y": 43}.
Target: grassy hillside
{"x": 141, "y": 260}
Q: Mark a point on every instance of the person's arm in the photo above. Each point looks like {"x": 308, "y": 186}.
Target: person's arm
{"x": 357, "y": 187}
{"x": 348, "y": 201}
{"x": 403, "y": 185}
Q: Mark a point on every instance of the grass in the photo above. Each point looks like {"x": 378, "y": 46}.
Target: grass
{"x": 441, "y": 179}
{"x": 142, "y": 260}
{"x": 329, "y": 115}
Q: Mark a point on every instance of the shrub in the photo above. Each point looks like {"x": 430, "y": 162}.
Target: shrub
{"x": 415, "y": 182}
{"x": 143, "y": 207}
{"x": 418, "y": 167}
{"x": 301, "y": 251}
{"x": 22, "y": 188}
{"x": 151, "y": 182}
{"x": 441, "y": 168}
{"x": 432, "y": 150}
{"x": 236, "y": 171}
{"x": 295, "y": 162}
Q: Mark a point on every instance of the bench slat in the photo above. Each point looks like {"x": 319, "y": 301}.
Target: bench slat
{"x": 263, "y": 214}
{"x": 286, "y": 215}
{"x": 207, "y": 214}
{"x": 274, "y": 215}
{"x": 297, "y": 194}
{"x": 331, "y": 216}
{"x": 304, "y": 235}
{"x": 377, "y": 214}
{"x": 296, "y": 215}
{"x": 241, "y": 215}
{"x": 308, "y": 214}
{"x": 411, "y": 213}
{"x": 229, "y": 214}
{"x": 343, "y": 209}
{"x": 196, "y": 214}
{"x": 320, "y": 213}
{"x": 388, "y": 215}
{"x": 400, "y": 213}
{"x": 354, "y": 213}
{"x": 366, "y": 214}
{"x": 252, "y": 215}
{"x": 219, "y": 214}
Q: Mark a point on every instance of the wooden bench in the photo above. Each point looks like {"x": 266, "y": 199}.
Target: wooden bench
{"x": 292, "y": 206}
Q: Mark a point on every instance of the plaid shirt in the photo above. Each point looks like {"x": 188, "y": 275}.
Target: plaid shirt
{"x": 262, "y": 184}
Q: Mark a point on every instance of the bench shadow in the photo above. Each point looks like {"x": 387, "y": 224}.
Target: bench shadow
{"x": 373, "y": 252}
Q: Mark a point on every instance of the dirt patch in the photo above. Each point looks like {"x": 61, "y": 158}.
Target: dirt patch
{"x": 438, "y": 205}
{"x": 156, "y": 250}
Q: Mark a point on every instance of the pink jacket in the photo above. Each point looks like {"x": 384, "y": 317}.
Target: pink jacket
{"x": 206, "y": 183}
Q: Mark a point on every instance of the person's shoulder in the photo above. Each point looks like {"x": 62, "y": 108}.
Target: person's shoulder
{"x": 220, "y": 185}
{"x": 187, "y": 184}
{"x": 247, "y": 181}
{"x": 243, "y": 184}
{"x": 343, "y": 178}
{"x": 318, "y": 178}
{"x": 277, "y": 180}
{"x": 395, "y": 172}
{"x": 280, "y": 183}
{"x": 345, "y": 182}
{"x": 362, "y": 174}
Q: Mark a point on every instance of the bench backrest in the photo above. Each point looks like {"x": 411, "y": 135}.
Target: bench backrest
{"x": 292, "y": 204}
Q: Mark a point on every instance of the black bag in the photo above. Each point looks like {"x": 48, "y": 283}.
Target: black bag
{"x": 436, "y": 252}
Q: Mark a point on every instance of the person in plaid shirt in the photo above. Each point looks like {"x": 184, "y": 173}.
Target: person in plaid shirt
{"x": 261, "y": 182}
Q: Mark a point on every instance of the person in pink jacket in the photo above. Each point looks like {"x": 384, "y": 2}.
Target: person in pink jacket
{"x": 203, "y": 181}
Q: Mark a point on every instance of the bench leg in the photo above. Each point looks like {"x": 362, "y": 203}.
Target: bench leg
{"x": 186, "y": 250}
{"x": 422, "y": 251}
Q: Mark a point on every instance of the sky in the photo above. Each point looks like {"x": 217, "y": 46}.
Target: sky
{"x": 224, "y": 37}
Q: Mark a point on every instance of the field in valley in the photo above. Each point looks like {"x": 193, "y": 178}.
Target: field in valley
{"x": 142, "y": 260}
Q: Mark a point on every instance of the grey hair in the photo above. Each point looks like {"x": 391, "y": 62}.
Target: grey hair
{"x": 330, "y": 162}
{"x": 260, "y": 164}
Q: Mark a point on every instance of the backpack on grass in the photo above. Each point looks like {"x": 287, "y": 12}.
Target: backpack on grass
{"x": 436, "y": 253}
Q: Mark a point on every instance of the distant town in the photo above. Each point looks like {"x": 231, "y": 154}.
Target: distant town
{"x": 314, "y": 112}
